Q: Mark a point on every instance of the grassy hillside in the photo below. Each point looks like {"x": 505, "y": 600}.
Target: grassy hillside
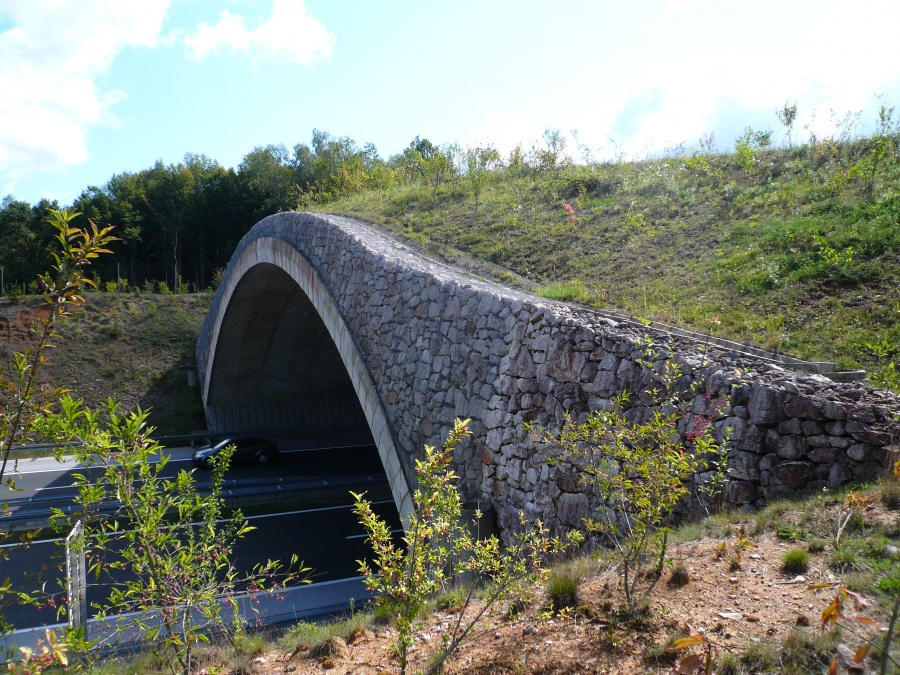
{"x": 136, "y": 347}
{"x": 792, "y": 249}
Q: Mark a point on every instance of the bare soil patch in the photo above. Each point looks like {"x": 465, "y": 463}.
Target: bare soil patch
{"x": 735, "y": 607}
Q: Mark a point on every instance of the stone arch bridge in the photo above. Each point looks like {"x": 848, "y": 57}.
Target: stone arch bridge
{"x": 327, "y": 320}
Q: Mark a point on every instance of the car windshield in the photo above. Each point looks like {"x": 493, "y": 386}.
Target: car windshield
{"x": 222, "y": 444}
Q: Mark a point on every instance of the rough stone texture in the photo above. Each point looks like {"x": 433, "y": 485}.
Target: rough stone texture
{"x": 439, "y": 344}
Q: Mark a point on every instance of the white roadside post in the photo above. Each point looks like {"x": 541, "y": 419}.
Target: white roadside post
{"x": 76, "y": 573}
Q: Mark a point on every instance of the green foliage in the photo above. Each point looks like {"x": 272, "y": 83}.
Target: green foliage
{"x": 477, "y": 163}
{"x": 636, "y": 471}
{"x": 562, "y": 586}
{"x": 636, "y": 227}
{"x": 436, "y": 546}
{"x": 795, "y": 561}
{"x": 567, "y": 291}
{"x": 789, "y": 533}
{"x": 787, "y": 115}
{"x": 23, "y": 404}
{"x": 844, "y": 559}
{"x": 177, "y": 544}
{"x": 887, "y": 377}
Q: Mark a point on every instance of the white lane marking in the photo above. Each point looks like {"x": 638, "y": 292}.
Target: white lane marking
{"x": 324, "y": 508}
{"x": 175, "y": 460}
{"x": 360, "y": 536}
{"x": 223, "y": 520}
{"x": 330, "y": 447}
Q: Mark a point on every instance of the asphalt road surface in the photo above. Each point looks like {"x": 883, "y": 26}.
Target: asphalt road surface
{"x": 44, "y": 483}
{"x": 327, "y": 540}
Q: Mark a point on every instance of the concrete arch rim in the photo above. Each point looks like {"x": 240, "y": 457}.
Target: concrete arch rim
{"x": 278, "y": 252}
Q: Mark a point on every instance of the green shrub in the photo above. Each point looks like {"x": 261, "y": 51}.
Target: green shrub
{"x": 844, "y": 559}
{"x": 642, "y": 465}
{"x": 451, "y": 600}
{"x": 790, "y": 533}
{"x": 565, "y": 291}
{"x": 795, "y": 561}
{"x": 890, "y": 492}
{"x": 434, "y": 536}
{"x": 562, "y": 586}
{"x": 816, "y": 545}
{"x": 680, "y": 576}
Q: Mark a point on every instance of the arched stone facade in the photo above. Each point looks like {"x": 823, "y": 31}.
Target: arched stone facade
{"x": 424, "y": 343}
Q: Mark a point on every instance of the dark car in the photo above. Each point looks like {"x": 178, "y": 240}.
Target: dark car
{"x": 256, "y": 450}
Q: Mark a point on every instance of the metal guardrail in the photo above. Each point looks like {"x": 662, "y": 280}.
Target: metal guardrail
{"x": 270, "y": 609}
{"x": 209, "y": 436}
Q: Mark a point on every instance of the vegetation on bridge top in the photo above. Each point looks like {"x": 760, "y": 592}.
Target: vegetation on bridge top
{"x": 785, "y": 245}
{"x": 794, "y": 249}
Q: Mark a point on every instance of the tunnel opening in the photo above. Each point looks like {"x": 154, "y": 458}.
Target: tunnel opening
{"x": 278, "y": 372}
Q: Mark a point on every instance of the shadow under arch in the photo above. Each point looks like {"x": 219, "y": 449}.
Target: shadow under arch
{"x": 279, "y": 338}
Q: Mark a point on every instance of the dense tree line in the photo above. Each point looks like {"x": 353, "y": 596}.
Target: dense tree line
{"x": 179, "y": 223}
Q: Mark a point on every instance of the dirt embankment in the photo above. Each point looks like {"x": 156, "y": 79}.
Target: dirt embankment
{"x": 136, "y": 348}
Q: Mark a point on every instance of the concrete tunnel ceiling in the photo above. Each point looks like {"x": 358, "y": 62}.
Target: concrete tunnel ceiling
{"x": 274, "y": 346}
{"x": 276, "y": 355}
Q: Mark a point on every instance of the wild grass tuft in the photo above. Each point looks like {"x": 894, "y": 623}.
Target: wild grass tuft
{"x": 795, "y": 561}
{"x": 562, "y": 587}
{"x": 844, "y": 559}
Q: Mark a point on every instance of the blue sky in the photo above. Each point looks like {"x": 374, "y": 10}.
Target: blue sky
{"x": 89, "y": 88}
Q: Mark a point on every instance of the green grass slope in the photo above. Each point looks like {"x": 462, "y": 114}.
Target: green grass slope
{"x": 135, "y": 347}
{"x": 795, "y": 250}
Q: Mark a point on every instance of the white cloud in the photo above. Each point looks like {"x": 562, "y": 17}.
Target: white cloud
{"x": 49, "y": 64}
{"x": 725, "y": 74}
{"x": 290, "y": 33}
{"x": 507, "y": 130}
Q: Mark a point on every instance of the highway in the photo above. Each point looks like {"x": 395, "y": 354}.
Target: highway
{"x": 328, "y": 539}
{"x": 44, "y": 483}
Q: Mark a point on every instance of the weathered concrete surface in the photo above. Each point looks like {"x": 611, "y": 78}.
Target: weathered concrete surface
{"x": 424, "y": 343}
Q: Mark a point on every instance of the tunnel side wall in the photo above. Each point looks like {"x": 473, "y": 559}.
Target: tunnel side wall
{"x": 437, "y": 344}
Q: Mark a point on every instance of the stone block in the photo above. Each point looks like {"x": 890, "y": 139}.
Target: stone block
{"x": 754, "y": 440}
{"x": 866, "y": 470}
{"x": 787, "y": 447}
{"x": 766, "y": 405}
{"x": 888, "y": 455}
{"x": 768, "y": 462}
{"x": 773, "y": 493}
{"x": 834, "y": 410}
{"x": 823, "y": 455}
{"x": 806, "y": 407}
{"x": 861, "y": 452}
{"x": 790, "y": 426}
{"x": 841, "y": 442}
{"x": 561, "y": 357}
{"x": 743, "y": 465}
{"x": 569, "y": 482}
{"x": 812, "y": 428}
{"x": 736, "y": 427}
{"x": 740, "y": 492}
{"x": 605, "y": 383}
{"x": 835, "y": 428}
{"x": 522, "y": 365}
{"x": 839, "y": 474}
{"x": 573, "y": 508}
{"x": 794, "y": 475}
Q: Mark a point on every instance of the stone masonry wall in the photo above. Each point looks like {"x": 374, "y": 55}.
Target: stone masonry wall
{"x": 441, "y": 344}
